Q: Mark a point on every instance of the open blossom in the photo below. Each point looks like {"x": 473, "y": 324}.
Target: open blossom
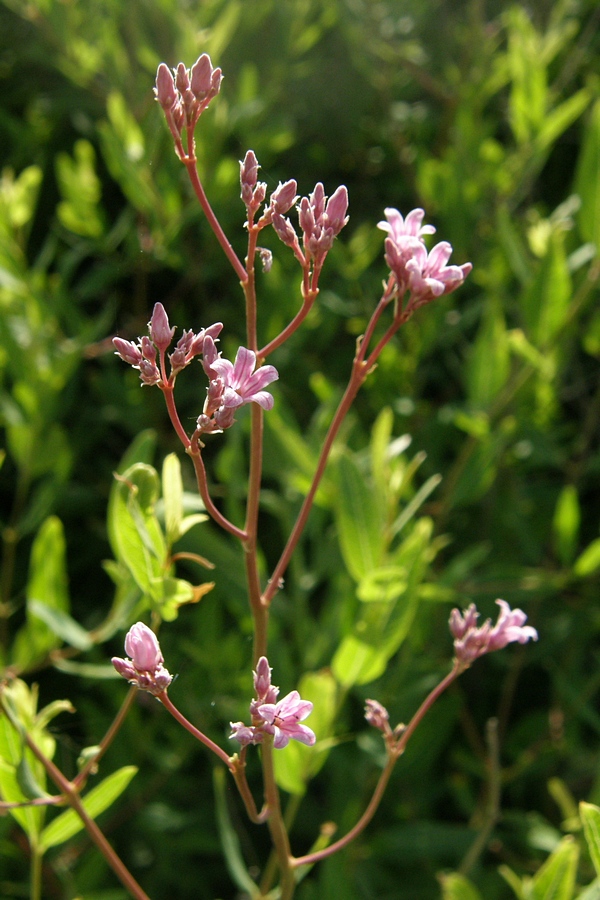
{"x": 471, "y": 641}
{"x": 281, "y": 718}
{"x": 144, "y": 665}
{"x": 424, "y": 274}
{"x": 241, "y": 383}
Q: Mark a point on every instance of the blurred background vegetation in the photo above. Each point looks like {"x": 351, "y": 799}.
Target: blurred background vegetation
{"x": 486, "y": 114}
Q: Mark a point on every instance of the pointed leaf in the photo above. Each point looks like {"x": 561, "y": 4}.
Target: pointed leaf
{"x": 590, "y": 817}
{"x": 555, "y": 880}
{"x": 359, "y": 519}
{"x": 95, "y": 802}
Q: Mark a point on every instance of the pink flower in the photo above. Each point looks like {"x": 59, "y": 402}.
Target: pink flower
{"x": 425, "y": 275}
{"x": 471, "y": 641}
{"x": 429, "y": 276}
{"x": 145, "y": 667}
{"x": 241, "y": 383}
{"x": 400, "y": 228}
{"x": 283, "y": 720}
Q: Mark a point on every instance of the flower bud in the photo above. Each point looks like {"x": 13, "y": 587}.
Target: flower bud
{"x": 160, "y": 332}
{"x": 141, "y": 645}
{"x": 284, "y": 196}
{"x": 165, "y": 91}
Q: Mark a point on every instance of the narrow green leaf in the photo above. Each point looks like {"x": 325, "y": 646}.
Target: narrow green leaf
{"x": 457, "y": 887}
{"x": 47, "y": 584}
{"x": 561, "y": 117}
{"x": 512, "y": 879}
{"x": 567, "y": 517}
{"x": 489, "y": 364}
{"x": 590, "y": 817}
{"x": 229, "y": 839}
{"x": 61, "y": 624}
{"x": 359, "y": 519}
{"x": 555, "y": 880}
{"x": 95, "y": 802}
{"x": 587, "y": 180}
{"x": 172, "y": 491}
{"x": 589, "y": 561}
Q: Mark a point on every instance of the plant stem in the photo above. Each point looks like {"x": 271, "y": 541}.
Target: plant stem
{"x": 190, "y": 163}
{"x": 35, "y": 884}
{"x": 395, "y": 750}
{"x": 92, "y": 764}
{"x": 195, "y": 732}
{"x": 194, "y": 453}
{"x": 364, "y": 820}
{"x": 74, "y": 800}
{"x": 359, "y": 373}
{"x": 275, "y": 822}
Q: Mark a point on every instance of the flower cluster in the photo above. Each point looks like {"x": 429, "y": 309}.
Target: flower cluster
{"x": 471, "y": 641}
{"x": 184, "y": 93}
{"x": 143, "y": 355}
{"x": 231, "y": 385}
{"x": 144, "y": 665}
{"x": 424, "y": 274}
{"x": 321, "y": 219}
{"x": 280, "y": 718}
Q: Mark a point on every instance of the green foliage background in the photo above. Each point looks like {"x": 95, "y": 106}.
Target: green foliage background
{"x": 488, "y": 116}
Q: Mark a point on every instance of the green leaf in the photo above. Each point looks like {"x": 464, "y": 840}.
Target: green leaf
{"x": 390, "y": 596}
{"x": 489, "y": 364}
{"x": 172, "y": 491}
{"x": 567, "y": 517}
{"x": 555, "y": 880}
{"x": 134, "y": 532}
{"x": 296, "y": 764}
{"x": 95, "y": 802}
{"x": 587, "y": 180}
{"x": 359, "y": 519}
{"x": 545, "y": 301}
{"x": 61, "y": 624}
{"x": 589, "y": 561}
{"x": 457, "y": 887}
{"x": 518, "y": 886}
{"x": 47, "y": 584}
{"x": 561, "y": 117}
{"x": 79, "y": 211}
{"x": 590, "y": 817}
{"x": 230, "y": 842}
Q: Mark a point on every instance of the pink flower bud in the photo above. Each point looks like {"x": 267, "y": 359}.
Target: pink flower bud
{"x": 160, "y": 332}
{"x": 145, "y": 667}
{"x": 284, "y": 230}
{"x": 142, "y": 646}
{"x": 128, "y": 351}
{"x": 165, "y": 91}
{"x": 205, "y": 81}
{"x": 377, "y": 716}
{"x": 336, "y": 209}
{"x": 182, "y": 79}
{"x": 283, "y": 197}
